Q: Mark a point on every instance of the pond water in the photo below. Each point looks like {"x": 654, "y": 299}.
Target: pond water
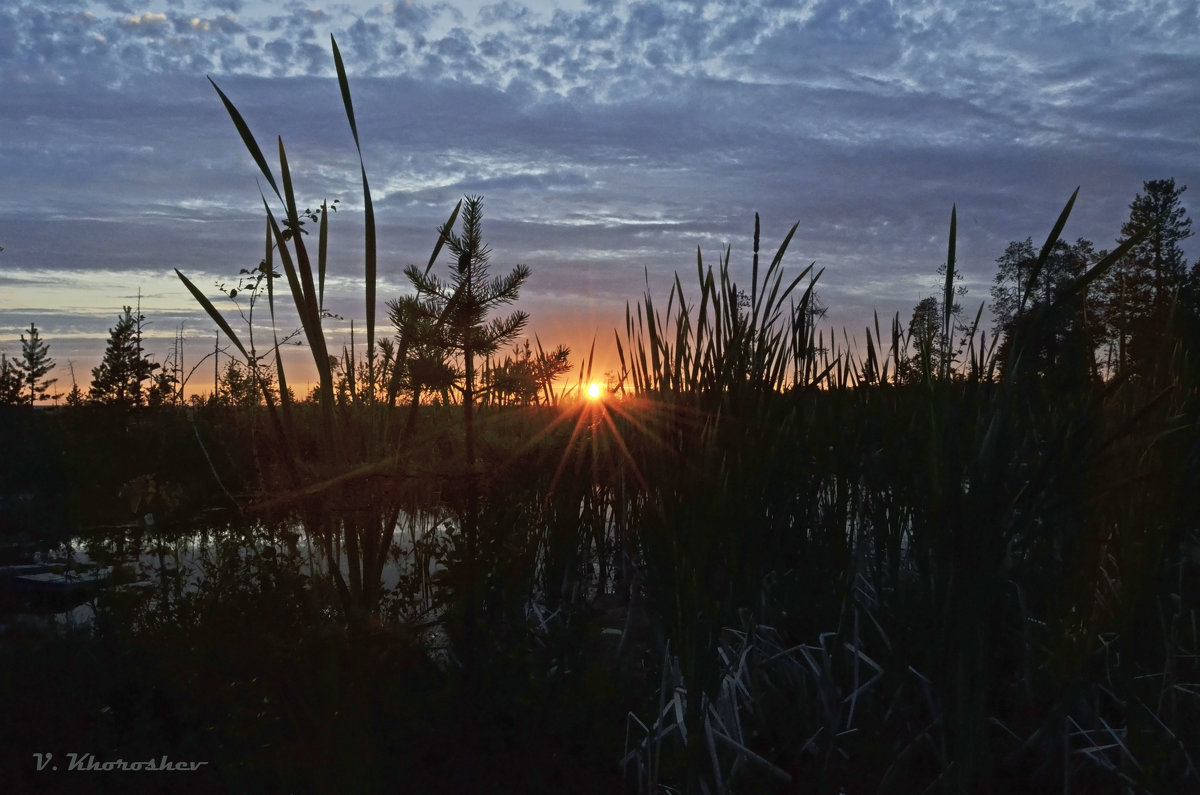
{"x": 143, "y": 557}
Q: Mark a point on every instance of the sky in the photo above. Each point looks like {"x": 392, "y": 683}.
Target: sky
{"x": 611, "y": 141}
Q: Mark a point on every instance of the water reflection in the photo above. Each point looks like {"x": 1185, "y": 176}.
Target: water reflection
{"x": 158, "y": 566}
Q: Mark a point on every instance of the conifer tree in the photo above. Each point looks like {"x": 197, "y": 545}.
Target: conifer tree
{"x": 75, "y": 397}
{"x": 1140, "y": 290}
{"x": 421, "y": 353}
{"x": 35, "y": 365}
{"x": 462, "y": 307}
{"x": 117, "y": 380}
{"x": 11, "y": 383}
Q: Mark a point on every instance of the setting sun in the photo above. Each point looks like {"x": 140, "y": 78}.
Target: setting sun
{"x": 593, "y": 391}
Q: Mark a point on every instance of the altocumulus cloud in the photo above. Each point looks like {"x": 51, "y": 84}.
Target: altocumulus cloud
{"x": 611, "y": 139}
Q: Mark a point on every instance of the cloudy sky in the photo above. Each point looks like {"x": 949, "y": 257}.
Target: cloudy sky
{"x": 609, "y": 139}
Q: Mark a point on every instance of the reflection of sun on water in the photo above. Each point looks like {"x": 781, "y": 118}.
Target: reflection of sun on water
{"x": 593, "y": 391}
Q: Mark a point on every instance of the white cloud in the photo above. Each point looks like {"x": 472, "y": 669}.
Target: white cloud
{"x": 148, "y": 19}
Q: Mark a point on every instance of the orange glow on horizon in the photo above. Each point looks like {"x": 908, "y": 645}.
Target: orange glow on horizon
{"x": 593, "y": 391}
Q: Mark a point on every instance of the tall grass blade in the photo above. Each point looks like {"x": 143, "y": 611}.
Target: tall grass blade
{"x": 1047, "y": 248}
{"x": 289, "y": 194}
{"x": 310, "y": 312}
{"x": 1100, "y": 268}
{"x": 269, "y": 268}
{"x": 754, "y": 268}
{"x": 214, "y": 313}
{"x": 442, "y": 237}
{"x": 310, "y": 320}
{"x": 948, "y": 299}
{"x": 369, "y": 246}
{"x": 247, "y": 137}
{"x": 322, "y": 256}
